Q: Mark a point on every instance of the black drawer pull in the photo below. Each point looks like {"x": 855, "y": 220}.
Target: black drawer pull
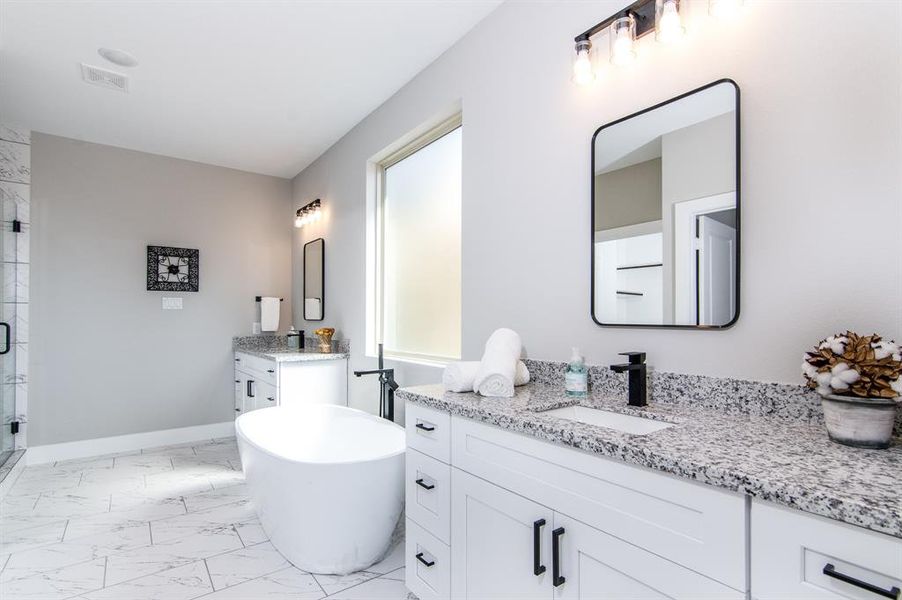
{"x": 557, "y": 579}
{"x": 425, "y": 427}
{"x": 237, "y": 360}
{"x": 270, "y": 371}
{"x": 237, "y": 410}
{"x": 250, "y": 388}
{"x": 424, "y": 485}
{"x": 537, "y": 567}
{"x": 270, "y": 399}
{"x": 237, "y": 381}
{"x": 830, "y": 571}
{"x": 428, "y": 563}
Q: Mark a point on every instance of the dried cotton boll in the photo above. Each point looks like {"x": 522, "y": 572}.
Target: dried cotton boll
{"x": 808, "y": 370}
{"x": 842, "y": 376}
{"x": 885, "y": 349}
{"x": 836, "y": 344}
{"x": 896, "y": 385}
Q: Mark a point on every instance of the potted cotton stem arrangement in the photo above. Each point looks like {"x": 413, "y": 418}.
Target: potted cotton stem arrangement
{"x": 859, "y": 379}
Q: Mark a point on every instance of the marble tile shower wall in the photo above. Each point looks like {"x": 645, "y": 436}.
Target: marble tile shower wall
{"x": 15, "y": 203}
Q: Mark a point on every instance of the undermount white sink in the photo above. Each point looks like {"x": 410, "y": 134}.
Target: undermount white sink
{"x": 611, "y": 420}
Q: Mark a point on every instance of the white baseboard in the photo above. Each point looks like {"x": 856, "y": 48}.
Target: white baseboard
{"x": 127, "y": 443}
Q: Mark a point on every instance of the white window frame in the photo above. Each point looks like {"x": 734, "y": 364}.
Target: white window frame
{"x": 376, "y": 168}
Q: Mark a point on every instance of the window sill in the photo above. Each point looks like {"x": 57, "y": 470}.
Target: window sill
{"x": 422, "y": 362}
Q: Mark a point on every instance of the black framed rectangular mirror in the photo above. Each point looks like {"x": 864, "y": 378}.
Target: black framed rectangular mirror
{"x": 665, "y": 213}
{"x": 314, "y": 280}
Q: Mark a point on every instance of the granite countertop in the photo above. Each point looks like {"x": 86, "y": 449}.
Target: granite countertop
{"x": 779, "y": 460}
{"x": 283, "y": 355}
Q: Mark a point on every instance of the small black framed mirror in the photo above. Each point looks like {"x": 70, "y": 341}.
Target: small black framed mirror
{"x": 314, "y": 280}
{"x": 665, "y": 213}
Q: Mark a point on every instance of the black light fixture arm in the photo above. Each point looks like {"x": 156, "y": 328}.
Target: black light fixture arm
{"x": 642, "y": 11}
{"x": 308, "y": 207}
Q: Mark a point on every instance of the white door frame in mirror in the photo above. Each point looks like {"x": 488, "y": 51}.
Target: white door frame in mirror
{"x": 684, "y": 246}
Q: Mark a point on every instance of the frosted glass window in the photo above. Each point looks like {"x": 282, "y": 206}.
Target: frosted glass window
{"x": 421, "y": 251}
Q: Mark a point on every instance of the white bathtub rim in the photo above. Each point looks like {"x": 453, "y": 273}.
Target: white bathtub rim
{"x": 240, "y": 433}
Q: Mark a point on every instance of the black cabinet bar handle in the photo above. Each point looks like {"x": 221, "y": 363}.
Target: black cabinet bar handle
{"x": 428, "y": 563}
{"x": 270, "y": 399}
{"x": 537, "y": 567}
{"x": 557, "y": 579}
{"x": 830, "y": 571}
{"x": 424, "y": 485}
{"x": 425, "y": 427}
{"x": 270, "y": 371}
{"x": 250, "y": 390}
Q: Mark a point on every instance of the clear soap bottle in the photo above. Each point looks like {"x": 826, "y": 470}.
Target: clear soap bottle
{"x": 576, "y": 379}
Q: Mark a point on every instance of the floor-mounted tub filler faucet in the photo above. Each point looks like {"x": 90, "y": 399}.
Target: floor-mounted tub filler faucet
{"x": 637, "y": 377}
{"x": 387, "y": 387}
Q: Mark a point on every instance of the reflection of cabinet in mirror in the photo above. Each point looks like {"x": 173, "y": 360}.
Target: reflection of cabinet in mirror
{"x": 665, "y": 213}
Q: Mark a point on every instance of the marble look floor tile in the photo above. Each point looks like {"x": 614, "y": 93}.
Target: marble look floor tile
{"x": 189, "y": 462}
{"x": 375, "y": 589}
{"x": 287, "y": 584}
{"x": 332, "y": 584}
{"x": 397, "y": 574}
{"x": 218, "y": 497}
{"x": 216, "y": 519}
{"x": 393, "y": 560}
{"x": 71, "y": 503}
{"x": 83, "y": 464}
{"x": 143, "y": 463}
{"x": 241, "y": 565}
{"x": 147, "y": 560}
{"x": 251, "y": 532}
{"x": 33, "y": 537}
{"x": 185, "y": 481}
{"x": 55, "y": 482}
{"x": 182, "y": 451}
{"x": 26, "y": 563}
{"x": 60, "y": 583}
{"x": 181, "y": 583}
{"x": 10, "y": 524}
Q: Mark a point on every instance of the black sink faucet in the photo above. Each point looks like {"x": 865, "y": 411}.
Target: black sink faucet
{"x": 637, "y": 377}
{"x": 387, "y": 387}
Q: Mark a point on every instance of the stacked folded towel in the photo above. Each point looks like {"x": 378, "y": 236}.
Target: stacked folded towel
{"x": 496, "y": 374}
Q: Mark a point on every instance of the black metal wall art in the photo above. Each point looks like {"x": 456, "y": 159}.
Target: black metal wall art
{"x": 172, "y": 269}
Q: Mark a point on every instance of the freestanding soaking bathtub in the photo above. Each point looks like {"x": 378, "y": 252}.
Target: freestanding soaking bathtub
{"x": 327, "y": 483}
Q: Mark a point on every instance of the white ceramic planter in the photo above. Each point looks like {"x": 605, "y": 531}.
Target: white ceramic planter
{"x": 860, "y": 422}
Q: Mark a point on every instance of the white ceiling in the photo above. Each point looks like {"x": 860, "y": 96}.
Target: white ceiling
{"x": 261, "y": 86}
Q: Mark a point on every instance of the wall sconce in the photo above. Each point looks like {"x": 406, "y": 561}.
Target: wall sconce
{"x": 309, "y": 213}
{"x": 639, "y": 18}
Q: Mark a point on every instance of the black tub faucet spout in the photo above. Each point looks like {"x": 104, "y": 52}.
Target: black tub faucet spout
{"x": 387, "y": 387}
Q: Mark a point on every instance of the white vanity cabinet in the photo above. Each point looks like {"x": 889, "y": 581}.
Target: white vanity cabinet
{"x": 262, "y": 382}
{"x": 619, "y": 532}
{"x": 805, "y": 557}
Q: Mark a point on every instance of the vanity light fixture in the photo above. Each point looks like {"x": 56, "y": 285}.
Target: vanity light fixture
{"x": 583, "y": 72}
{"x": 309, "y": 213}
{"x": 625, "y": 27}
{"x": 623, "y": 38}
{"x": 668, "y": 25}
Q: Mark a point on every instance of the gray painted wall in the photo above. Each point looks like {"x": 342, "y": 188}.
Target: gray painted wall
{"x": 812, "y": 169}
{"x": 628, "y": 196}
{"x": 105, "y": 359}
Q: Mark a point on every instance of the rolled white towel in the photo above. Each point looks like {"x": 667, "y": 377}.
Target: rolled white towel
{"x": 498, "y": 367}
{"x": 459, "y": 376}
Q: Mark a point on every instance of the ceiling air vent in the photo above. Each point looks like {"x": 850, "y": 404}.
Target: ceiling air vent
{"x": 104, "y": 78}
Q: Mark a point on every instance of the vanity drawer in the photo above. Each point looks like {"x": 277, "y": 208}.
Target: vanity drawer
{"x": 429, "y": 431}
{"x": 427, "y": 564}
{"x": 264, "y": 370}
{"x": 699, "y": 527}
{"x": 428, "y": 494}
{"x": 791, "y": 549}
{"x": 264, "y": 394}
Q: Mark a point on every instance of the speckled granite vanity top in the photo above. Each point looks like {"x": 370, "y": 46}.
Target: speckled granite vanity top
{"x": 780, "y": 454}
{"x": 275, "y": 347}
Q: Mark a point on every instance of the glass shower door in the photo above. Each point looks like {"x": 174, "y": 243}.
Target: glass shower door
{"x": 7, "y": 358}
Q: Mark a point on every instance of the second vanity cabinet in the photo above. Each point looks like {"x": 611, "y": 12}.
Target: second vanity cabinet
{"x": 497, "y": 514}
{"x": 261, "y": 382}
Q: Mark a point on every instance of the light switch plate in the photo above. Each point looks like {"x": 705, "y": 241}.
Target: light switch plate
{"x": 172, "y": 304}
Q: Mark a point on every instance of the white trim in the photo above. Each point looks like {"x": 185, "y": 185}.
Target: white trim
{"x": 127, "y": 443}
{"x": 684, "y": 215}
{"x": 628, "y": 231}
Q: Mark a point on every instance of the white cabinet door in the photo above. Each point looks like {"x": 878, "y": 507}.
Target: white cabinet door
{"x": 594, "y": 565}
{"x": 244, "y": 402}
{"x": 492, "y": 542}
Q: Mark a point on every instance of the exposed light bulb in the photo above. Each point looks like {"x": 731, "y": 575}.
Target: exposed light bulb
{"x": 668, "y": 27}
{"x": 724, "y": 9}
{"x": 583, "y": 72}
{"x": 623, "y": 33}
{"x": 298, "y": 222}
